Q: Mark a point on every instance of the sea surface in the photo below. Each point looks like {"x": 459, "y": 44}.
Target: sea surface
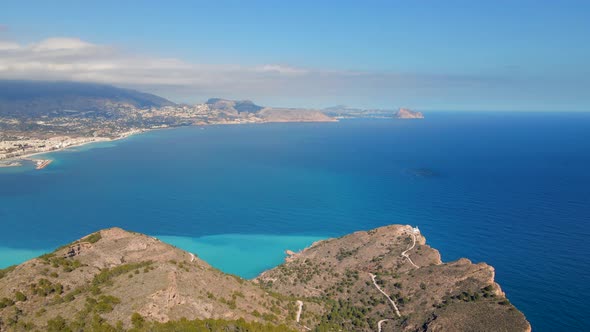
{"x": 509, "y": 189}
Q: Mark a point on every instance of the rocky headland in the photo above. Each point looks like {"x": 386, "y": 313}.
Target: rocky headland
{"x": 404, "y": 113}
{"x": 387, "y": 279}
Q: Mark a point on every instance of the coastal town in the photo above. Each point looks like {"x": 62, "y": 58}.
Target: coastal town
{"x": 22, "y": 137}
{"x": 65, "y": 115}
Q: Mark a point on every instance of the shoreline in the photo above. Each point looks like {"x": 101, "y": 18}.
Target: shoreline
{"x": 17, "y": 160}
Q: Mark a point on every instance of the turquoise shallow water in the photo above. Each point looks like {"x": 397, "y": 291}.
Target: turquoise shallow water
{"x": 512, "y": 190}
{"x": 13, "y": 256}
{"x": 242, "y": 254}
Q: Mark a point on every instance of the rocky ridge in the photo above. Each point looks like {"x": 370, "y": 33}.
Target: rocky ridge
{"x": 117, "y": 280}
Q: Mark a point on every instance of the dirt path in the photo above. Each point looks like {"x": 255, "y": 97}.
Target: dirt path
{"x": 405, "y": 253}
{"x": 300, "y": 304}
{"x": 387, "y": 296}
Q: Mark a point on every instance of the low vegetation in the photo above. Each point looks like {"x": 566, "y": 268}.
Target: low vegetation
{"x": 106, "y": 287}
{"x": 343, "y": 316}
{"x": 97, "y": 324}
{"x": 4, "y": 272}
{"x": 93, "y": 238}
{"x": 105, "y": 276}
{"x": 67, "y": 264}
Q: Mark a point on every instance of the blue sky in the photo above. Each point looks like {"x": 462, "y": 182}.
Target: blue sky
{"x": 464, "y": 55}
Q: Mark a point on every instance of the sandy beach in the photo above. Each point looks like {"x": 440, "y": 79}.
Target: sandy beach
{"x": 17, "y": 160}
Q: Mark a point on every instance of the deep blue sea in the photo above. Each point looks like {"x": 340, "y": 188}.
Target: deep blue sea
{"x": 509, "y": 189}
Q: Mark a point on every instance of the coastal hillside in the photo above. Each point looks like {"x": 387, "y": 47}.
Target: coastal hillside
{"x": 385, "y": 279}
{"x": 119, "y": 278}
{"x": 344, "y": 112}
{"x": 25, "y": 99}
{"x": 389, "y": 277}
{"x": 235, "y": 106}
{"x": 270, "y": 114}
{"x": 246, "y": 109}
{"x": 404, "y": 113}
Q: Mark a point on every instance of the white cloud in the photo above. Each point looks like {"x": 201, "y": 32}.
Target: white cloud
{"x": 78, "y": 60}
{"x": 7, "y": 45}
{"x": 74, "y": 59}
{"x": 56, "y": 44}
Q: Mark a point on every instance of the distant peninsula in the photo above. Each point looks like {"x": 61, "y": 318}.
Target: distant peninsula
{"x": 404, "y": 113}
{"x": 345, "y": 112}
{"x": 386, "y": 279}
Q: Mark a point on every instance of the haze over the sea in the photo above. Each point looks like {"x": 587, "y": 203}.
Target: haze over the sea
{"x": 525, "y": 55}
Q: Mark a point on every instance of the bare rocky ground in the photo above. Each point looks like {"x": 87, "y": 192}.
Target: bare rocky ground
{"x": 115, "y": 280}
{"x": 435, "y": 296}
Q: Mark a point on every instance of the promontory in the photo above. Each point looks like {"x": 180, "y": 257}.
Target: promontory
{"x": 386, "y": 279}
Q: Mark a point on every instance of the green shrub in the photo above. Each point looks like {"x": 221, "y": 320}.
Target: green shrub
{"x": 6, "y": 302}
{"x": 20, "y": 297}
{"x": 137, "y": 320}
{"x": 93, "y": 238}
{"x": 58, "y": 324}
{"x": 4, "y": 272}
{"x": 45, "y": 287}
{"x": 107, "y": 274}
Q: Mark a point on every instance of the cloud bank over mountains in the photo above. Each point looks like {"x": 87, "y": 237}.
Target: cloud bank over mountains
{"x": 63, "y": 58}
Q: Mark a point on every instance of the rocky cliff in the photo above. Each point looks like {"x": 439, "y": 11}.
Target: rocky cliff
{"x": 404, "y": 113}
{"x": 387, "y": 279}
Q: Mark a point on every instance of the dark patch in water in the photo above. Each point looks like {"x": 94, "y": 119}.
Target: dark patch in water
{"x": 422, "y": 172}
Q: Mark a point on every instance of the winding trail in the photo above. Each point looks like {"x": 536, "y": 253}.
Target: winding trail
{"x": 387, "y": 296}
{"x": 413, "y": 232}
{"x": 405, "y": 252}
{"x": 300, "y": 304}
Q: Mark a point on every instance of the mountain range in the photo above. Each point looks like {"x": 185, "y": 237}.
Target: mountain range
{"x": 38, "y": 98}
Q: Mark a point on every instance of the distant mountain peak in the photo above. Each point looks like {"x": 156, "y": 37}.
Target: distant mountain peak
{"x": 38, "y": 98}
{"x": 240, "y": 106}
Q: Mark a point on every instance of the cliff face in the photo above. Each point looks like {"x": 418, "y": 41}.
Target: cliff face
{"x": 354, "y": 283}
{"x": 404, "y": 113}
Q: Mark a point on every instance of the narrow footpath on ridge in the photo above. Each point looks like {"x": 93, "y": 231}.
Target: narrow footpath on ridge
{"x": 387, "y": 296}
{"x": 300, "y": 304}
{"x": 299, "y": 310}
{"x": 405, "y": 255}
